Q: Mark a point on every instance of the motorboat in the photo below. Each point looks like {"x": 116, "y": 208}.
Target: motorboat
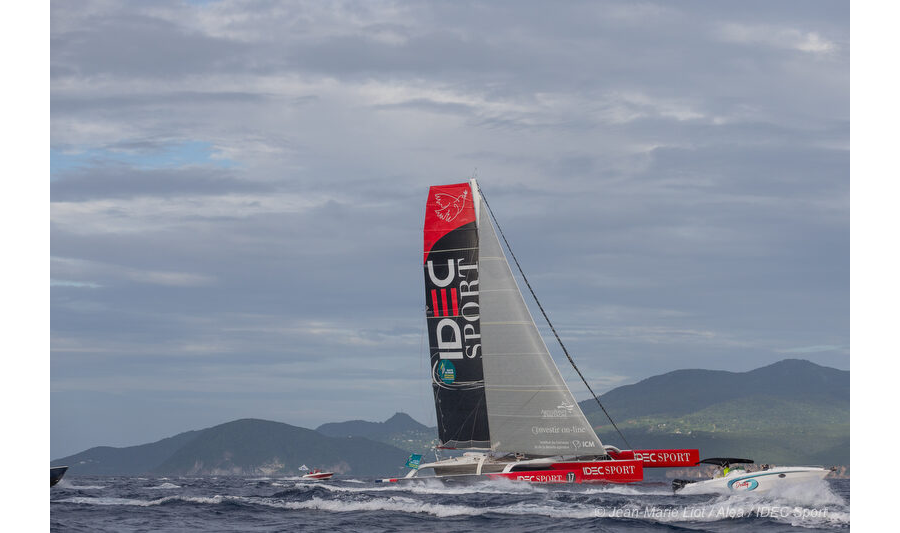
{"x": 732, "y": 476}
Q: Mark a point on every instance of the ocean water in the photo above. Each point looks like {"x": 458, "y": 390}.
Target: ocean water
{"x": 344, "y": 504}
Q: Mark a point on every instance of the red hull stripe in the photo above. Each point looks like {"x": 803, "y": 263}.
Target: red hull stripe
{"x": 630, "y": 471}
{"x": 666, "y": 458}
{"x": 434, "y": 305}
{"x": 455, "y": 306}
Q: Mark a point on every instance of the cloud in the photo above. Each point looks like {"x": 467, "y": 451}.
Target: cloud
{"x": 68, "y": 268}
{"x": 813, "y": 349}
{"x": 777, "y": 37}
{"x": 237, "y": 193}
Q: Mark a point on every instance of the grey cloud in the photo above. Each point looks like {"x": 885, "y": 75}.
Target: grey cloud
{"x": 676, "y": 198}
{"x": 114, "y": 180}
{"x": 124, "y": 44}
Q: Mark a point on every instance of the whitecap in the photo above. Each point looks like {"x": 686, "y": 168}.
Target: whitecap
{"x": 165, "y": 486}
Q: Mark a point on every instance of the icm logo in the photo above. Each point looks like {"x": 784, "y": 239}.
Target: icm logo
{"x": 450, "y": 206}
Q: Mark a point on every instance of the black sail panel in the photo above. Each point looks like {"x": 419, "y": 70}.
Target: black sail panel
{"x": 453, "y": 317}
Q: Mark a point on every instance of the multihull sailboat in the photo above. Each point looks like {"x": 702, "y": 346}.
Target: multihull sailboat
{"x": 498, "y": 393}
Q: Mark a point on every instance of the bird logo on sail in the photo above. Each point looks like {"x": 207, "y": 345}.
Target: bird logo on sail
{"x": 450, "y": 206}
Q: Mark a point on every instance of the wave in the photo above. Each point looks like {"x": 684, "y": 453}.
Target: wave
{"x": 67, "y": 484}
{"x": 165, "y": 486}
{"x": 810, "y": 507}
{"x": 436, "y": 487}
{"x": 624, "y": 490}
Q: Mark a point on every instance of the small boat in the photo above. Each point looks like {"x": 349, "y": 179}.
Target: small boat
{"x": 57, "y": 473}
{"x": 498, "y": 394}
{"x": 317, "y": 475}
{"x": 733, "y": 477}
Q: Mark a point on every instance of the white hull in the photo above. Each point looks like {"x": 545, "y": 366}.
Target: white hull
{"x": 756, "y": 482}
{"x": 558, "y": 469}
{"x": 469, "y": 463}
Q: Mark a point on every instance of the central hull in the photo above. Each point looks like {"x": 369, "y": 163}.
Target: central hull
{"x": 560, "y": 471}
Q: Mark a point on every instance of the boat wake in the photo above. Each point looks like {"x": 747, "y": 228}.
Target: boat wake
{"x": 237, "y": 505}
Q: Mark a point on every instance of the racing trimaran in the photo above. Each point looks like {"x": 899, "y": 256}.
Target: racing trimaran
{"x": 498, "y": 393}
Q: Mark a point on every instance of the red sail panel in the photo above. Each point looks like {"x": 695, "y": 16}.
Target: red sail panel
{"x": 448, "y": 207}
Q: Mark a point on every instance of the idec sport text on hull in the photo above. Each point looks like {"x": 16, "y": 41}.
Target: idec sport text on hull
{"x": 454, "y": 301}
{"x": 605, "y": 470}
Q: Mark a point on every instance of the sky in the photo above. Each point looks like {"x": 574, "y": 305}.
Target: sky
{"x": 237, "y": 196}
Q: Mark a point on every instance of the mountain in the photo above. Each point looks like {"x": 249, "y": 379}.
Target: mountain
{"x": 793, "y": 411}
{"x": 399, "y": 430}
{"x": 398, "y": 423}
{"x": 242, "y": 447}
{"x": 686, "y": 391}
{"x": 129, "y": 461}
{"x": 790, "y": 412}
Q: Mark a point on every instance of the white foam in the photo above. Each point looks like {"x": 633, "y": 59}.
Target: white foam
{"x": 66, "y": 484}
{"x": 438, "y": 487}
{"x": 626, "y": 490}
{"x": 811, "y": 508}
{"x": 104, "y": 501}
{"x": 165, "y": 486}
{"x": 396, "y": 503}
{"x": 146, "y": 503}
{"x": 813, "y": 493}
{"x": 408, "y": 505}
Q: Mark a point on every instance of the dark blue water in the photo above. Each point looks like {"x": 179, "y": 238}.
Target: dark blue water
{"x": 288, "y": 504}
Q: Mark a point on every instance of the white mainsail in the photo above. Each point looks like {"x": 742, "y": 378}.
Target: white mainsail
{"x": 530, "y": 409}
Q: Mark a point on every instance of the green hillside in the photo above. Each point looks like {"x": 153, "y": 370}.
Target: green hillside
{"x": 243, "y": 447}
{"x": 400, "y": 430}
{"x": 789, "y": 412}
{"x": 262, "y": 447}
{"x": 127, "y": 461}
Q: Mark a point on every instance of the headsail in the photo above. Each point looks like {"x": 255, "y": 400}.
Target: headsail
{"x": 530, "y": 408}
{"x": 454, "y": 332}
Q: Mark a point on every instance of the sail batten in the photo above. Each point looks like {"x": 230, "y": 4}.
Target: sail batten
{"x": 530, "y": 408}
